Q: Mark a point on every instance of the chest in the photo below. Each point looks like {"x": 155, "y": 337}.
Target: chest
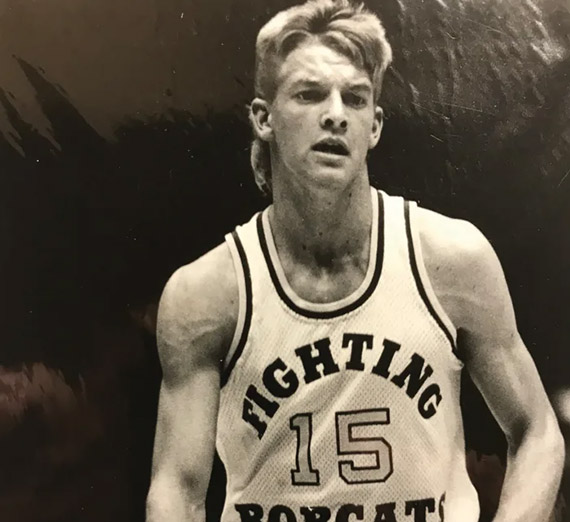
{"x": 325, "y": 284}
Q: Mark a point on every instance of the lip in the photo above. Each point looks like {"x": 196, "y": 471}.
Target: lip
{"x": 329, "y": 156}
{"x": 329, "y": 160}
{"x": 332, "y": 142}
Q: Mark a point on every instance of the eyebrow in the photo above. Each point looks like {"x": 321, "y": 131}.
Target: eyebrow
{"x": 307, "y": 82}
{"x": 360, "y": 86}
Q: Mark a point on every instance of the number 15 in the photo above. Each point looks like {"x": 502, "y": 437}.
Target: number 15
{"x": 347, "y": 444}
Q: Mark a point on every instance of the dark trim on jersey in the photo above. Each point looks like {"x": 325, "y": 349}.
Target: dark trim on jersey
{"x": 419, "y": 283}
{"x": 248, "y": 308}
{"x": 329, "y": 314}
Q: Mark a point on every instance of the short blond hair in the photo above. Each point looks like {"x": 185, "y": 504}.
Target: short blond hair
{"x": 348, "y": 28}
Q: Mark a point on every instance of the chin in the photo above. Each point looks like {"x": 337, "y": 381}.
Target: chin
{"x": 331, "y": 177}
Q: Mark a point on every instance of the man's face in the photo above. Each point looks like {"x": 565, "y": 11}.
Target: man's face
{"x": 323, "y": 117}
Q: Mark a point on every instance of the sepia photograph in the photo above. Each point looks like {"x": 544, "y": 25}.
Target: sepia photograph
{"x": 285, "y": 261}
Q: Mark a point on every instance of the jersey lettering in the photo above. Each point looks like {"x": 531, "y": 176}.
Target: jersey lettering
{"x": 289, "y": 381}
{"x": 385, "y": 512}
{"x": 344, "y": 512}
{"x": 316, "y": 513}
{"x": 382, "y": 367}
{"x": 413, "y": 374}
{"x": 357, "y": 343}
{"x": 422, "y": 510}
{"x": 317, "y": 361}
{"x": 268, "y": 406}
{"x": 426, "y": 408}
{"x": 281, "y": 514}
{"x": 249, "y": 512}
{"x": 311, "y": 360}
{"x": 249, "y": 416}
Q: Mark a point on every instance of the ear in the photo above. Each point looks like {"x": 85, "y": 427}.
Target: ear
{"x": 260, "y": 118}
{"x": 377, "y": 125}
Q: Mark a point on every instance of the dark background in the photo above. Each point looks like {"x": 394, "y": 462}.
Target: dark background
{"x": 124, "y": 154}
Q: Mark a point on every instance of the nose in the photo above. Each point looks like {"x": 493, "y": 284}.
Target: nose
{"x": 334, "y": 115}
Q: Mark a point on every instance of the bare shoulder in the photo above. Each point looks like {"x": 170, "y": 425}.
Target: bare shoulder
{"x": 454, "y": 242}
{"x": 198, "y": 312}
{"x": 462, "y": 266}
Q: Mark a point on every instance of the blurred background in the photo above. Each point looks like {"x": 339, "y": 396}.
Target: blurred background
{"x": 124, "y": 153}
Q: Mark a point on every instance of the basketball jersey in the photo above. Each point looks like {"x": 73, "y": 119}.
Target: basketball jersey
{"x": 349, "y": 410}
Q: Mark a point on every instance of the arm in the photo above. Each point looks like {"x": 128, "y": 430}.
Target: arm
{"x": 196, "y": 319}
{"x": 473, "y": 291}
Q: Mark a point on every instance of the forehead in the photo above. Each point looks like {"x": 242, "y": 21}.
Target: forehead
{"x": 316, "y": 62}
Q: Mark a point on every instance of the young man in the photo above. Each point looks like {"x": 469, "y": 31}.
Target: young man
{"x": 320, "y": 347}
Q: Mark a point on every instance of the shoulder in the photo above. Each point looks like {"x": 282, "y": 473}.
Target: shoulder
{"x": 461, "y": 265}
{"x": 455, "y": 242}
{"x": 198, "y": 310}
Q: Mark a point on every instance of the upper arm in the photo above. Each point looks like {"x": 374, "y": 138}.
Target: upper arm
{"x": 469, "y": 281}
{"x": 196, "y": 319}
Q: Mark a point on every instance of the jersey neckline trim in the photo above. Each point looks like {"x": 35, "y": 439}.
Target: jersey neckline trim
{"x": 336, "y": 308}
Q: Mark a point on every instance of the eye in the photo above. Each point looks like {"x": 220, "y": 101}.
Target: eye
{"x": 309, "y": 95}
{"x": 355, "y": 100}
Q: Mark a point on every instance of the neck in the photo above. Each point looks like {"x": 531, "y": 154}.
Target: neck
{"x": 324, "y": 228}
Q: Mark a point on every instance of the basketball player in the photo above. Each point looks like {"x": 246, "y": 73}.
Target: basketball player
{"x": 320, "y": 347}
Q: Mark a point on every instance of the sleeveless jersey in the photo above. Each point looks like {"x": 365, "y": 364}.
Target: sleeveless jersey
{"x": 349, "y": 410}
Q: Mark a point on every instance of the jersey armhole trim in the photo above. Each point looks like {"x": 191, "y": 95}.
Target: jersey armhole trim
{"x": 244, "y": 307}
{"x": 421, "y": 278}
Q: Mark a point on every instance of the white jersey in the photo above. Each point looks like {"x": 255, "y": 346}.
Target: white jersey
{"x": 349, "y": 410}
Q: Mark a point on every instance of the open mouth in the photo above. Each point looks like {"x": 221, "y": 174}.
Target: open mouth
{"x": 331, "y": 147}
